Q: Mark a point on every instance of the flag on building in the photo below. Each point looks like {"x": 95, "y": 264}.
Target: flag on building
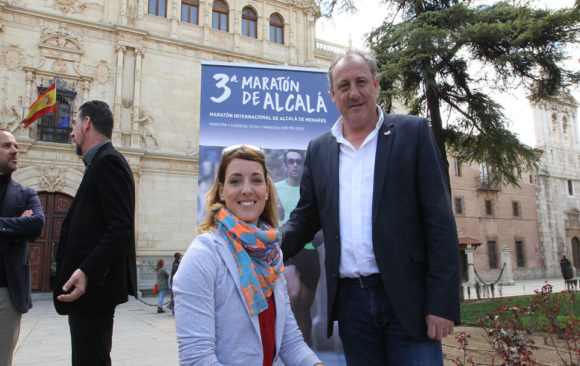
{"x": 66, "y": 120}
{"x": 45, "y": 104}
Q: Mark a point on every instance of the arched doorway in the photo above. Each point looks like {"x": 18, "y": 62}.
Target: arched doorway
{"x": 43, "y": 250}
{"x": 576, "y": 252}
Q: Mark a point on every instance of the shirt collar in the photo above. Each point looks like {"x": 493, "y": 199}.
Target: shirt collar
{"x": 90, "y": 155}
{"x": 336, "y": 129}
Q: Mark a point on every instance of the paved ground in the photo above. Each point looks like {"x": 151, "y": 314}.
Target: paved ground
{"x": 141, "y": 336}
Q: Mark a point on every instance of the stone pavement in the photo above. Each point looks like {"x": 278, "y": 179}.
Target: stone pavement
{"x": 142, "y": 337}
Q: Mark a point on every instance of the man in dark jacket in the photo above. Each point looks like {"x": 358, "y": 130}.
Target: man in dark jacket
{"x": 96, "y": 264}
{"x": 21, "y": 221}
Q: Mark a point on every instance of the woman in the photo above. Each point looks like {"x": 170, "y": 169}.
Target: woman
{"x": 231, "y": 302}
{"x": 162, "y": 277}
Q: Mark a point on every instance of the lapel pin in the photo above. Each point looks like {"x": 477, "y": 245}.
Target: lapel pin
{"x": 387, "y": 133}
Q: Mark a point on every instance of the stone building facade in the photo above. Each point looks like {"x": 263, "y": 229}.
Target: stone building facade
{"x": 143, "y": 58}
{"x": 496, "y": 224}
{"x": 558, "y": 181}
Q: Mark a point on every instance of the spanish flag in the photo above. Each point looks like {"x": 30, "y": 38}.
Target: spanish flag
{"x": 45, "y": 104}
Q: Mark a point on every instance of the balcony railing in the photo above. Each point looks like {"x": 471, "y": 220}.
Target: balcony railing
{"x": 484, "y": 183}
{"x": 46, "y": 130}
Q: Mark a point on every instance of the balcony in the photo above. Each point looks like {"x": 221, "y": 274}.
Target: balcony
{"x": 484, "y": 183}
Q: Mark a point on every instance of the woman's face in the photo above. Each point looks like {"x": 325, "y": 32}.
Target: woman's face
{"x": 244, "y": 190}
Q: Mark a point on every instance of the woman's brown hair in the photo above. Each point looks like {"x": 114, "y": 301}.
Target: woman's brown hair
{"x": 212, "y": 200}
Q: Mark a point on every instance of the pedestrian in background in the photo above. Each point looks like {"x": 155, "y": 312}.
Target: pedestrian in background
{"x": 21, "y": 221}
{"x": 96, "y": 266}
{"x": 162, "y": 280}
{"x": 177, "y": 259}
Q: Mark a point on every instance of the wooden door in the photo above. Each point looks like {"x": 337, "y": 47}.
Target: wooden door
{"x": 43, "y": 250}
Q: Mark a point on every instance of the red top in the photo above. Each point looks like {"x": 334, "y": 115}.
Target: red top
{"x": 267, "y": 320}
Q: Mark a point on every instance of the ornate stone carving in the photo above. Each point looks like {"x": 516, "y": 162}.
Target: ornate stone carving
{"x": 52, "y": 179}
{"x": 146, "y": 130}
{"x": 59, "y": 66}
{"x": 127, "y": 103}
{"x": 62, "y": 39}
{"x": 12, "y": 116}
{"x": 70, "y": 6}
{"x": 13, "y": 57}
{"x": 103, "y": 72}
{"x": 132, "y": 13}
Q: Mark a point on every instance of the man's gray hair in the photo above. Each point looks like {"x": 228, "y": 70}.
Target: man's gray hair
{"x": 369, "y": 59}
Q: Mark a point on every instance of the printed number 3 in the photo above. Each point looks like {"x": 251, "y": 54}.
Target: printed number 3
{"x": 222, "y": 81}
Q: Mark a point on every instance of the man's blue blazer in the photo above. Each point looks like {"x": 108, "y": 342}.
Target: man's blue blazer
{"x": 413, "y": 229}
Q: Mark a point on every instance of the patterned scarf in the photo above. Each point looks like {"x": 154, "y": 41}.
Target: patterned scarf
{"x": 256, "y": 250}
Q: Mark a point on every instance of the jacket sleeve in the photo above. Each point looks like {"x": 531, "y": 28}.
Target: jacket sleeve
{"x": 294, "y": 351}
{"x": 116, "y": 191}
{"x": 26, "y": 228}
{"x": 442, "y": 277}
{"x": 194, "y": 296}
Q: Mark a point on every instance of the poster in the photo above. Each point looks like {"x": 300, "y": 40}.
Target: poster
{"x": 274, "y": 107}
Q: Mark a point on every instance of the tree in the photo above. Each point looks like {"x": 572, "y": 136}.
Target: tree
{"x": 444, "y": 53}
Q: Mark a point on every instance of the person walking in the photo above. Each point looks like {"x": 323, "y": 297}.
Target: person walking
{"x": 162, "y": 279}
{"x": 174, "y": 267}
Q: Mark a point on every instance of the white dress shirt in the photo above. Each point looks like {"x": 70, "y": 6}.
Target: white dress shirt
{"x": 356, "y": 171}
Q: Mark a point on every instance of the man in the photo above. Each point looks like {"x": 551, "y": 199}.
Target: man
{"x": 21, "y": 221}
{"x": 96, "y": 263}
{"x": 303, "y": 271}
{"x": 376, "y": 186}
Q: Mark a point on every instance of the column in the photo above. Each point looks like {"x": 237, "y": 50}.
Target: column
{"x": 507, "y": 277}
{"x": 118, "y": 94}
{"x": 469, "y": 250}
{"x": 25, "y": 132}
{"x": 135, "y": 138}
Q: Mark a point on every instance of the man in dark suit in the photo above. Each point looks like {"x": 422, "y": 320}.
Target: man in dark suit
{"x": 376, "y": 186}
{"x": 21, "y": 221}
{"x": 96, "y": 262}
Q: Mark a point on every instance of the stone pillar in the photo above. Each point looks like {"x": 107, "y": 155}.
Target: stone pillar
{"x": 25, "y": 132}
{"x": 118, "y": 95}
{"x": 469, "y": 249}
{"x": 135, "y": 138}
{"x": 507, "y": 277}
{"x": 123, "y": 12}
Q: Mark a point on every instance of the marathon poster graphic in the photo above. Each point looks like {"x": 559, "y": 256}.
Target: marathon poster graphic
{"x": 275, "y": 107}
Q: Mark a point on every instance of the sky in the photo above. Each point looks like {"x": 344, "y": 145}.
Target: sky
{"x": 345, "y": 29}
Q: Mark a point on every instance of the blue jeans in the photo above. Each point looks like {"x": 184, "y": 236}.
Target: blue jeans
{"x": 160, "y": 298}
{"x": 371, "y": 334}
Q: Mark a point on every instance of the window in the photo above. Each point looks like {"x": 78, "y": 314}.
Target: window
{"x": 220, "y": 16}
{"x": 457, "y": 167}
{"x": 458, "y": 205}
{"x": 570, "y": 188}
{"x": 158, "y": 7}
{"x": 516, "y": 208}
{"x": 190, "y": 11}
{"x": 520, "y": 253}
{"x": 56, "y": 126}
{"x": 531, "y": 179}
{"x": 276, "y": 29}
{"x": 249, "y": 22}
{"x": 488, "y": 208}
{"x": 492, "y": 254}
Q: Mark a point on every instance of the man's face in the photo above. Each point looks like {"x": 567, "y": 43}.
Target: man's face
{"x": 354, "y": 91}
{"x": 78, "y": 134}
{"x": 8, "y": 153}
{"x": 294, "y": 165}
